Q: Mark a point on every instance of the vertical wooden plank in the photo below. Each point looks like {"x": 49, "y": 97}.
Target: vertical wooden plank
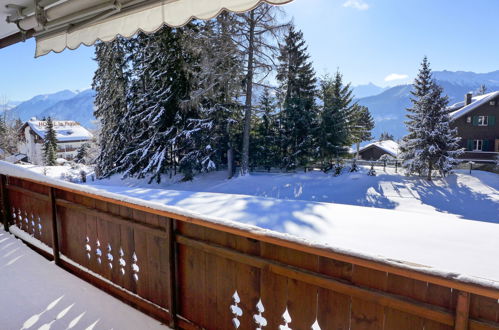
{"x": 334, "y": 308}
{"x": 273, "y": 289}
{"x": 220, "y": 283}
{"x": 191, "y": 266}
{"x": 172, "y": 274}
{"x": 442, "y": 297}
{"x": 405, "y": 287}
{"x": 367, "y": 315}
{"x": 484, "y": 308}
{"x": 127, "y": 245}
{"x": 462, "y": 311}
{"x": 5, "y": 203}
{"x": 55, "y": 234}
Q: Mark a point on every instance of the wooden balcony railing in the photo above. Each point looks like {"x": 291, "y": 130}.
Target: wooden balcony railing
{"x": 192, "y": 273}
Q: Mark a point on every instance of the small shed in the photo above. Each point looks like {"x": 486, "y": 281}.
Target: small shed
{"x": 373, "y": 151}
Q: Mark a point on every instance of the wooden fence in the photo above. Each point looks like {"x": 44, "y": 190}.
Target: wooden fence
{"x": 195, "y": 274}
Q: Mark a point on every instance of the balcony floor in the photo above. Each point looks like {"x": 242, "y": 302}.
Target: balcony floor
{"x": 36, "y": 294}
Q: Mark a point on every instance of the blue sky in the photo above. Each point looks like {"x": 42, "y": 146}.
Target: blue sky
{"x": 368, "y": 40}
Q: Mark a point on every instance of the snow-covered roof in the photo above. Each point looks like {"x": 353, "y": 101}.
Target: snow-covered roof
{"x": 459, "y": 109}
{"x": 15, "y": 158}
{"x": 388, "y": 146}
{"x": 66, "y": 131}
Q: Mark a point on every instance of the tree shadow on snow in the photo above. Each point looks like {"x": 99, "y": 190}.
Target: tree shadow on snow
{"x": 458, "y": 199}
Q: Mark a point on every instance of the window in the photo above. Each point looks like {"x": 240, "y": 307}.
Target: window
{"x": 483, "y": 120}
{"x": 477, "y": 145}
{"x": 468, "y": 120}
{"x": 493, "y": 102}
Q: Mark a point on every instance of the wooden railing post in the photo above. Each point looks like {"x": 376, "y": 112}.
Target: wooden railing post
{"x": 5, "y": 202}
{"x": 462, "y": 311}
{"x": 172, "y": 280}
{"x": 55, "y": 235}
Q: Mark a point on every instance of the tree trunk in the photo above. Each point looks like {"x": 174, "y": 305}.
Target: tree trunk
{"x": 430, "y": 169}
{"x": 230, "y": 162}
{"x": 358, "y": 147}
{"x": 249, "y": 95}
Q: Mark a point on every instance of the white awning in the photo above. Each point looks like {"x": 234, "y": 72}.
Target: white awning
{"x": 61, "y": 24}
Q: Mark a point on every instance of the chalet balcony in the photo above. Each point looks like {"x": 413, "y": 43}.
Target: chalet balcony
{"x": 193, "y": 273}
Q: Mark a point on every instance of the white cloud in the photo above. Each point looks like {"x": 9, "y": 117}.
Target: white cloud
{"x": 396, "y": 76}
{"x": 357, "y": 4}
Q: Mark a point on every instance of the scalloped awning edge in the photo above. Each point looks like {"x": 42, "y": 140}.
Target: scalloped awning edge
{"x": 148, "y": 18}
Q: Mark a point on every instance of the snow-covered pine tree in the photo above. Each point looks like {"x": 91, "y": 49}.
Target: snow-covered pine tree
{"x": 158, "y": 112}
{"x": 361, "y": 126}
{"x": 298, "y": 90}
{"x": 110, "y": 84}
{"x": 431, "y": 143}
{"x": 4, "y": 132}
{"x": 82, "y": 153}
{"x": 50, "y": 144}
{"x": 386, "y": 136}
{"x": 258, "y": 33}
{"x": 216, "y": 86}
{"x": 414, "y": 139}
{"x": 266, "y": 133}
{"x": 335, "y": 118}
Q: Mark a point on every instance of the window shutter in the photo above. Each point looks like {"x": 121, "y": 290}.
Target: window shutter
{"x": 470, "y": 144}
{"x": 492, "y": 120}
{"x": 475, "y": 120}
{"x": 485, "y": 145}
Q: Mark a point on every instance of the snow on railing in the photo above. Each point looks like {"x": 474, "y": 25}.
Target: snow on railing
{"x": 195, "y": 271}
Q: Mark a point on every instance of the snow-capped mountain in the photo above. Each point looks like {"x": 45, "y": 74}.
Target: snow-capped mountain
{"x": 79, "y": 108}
{"x": 389, "y": 107}
{"x": 367, "y": 90}
{"x": 63, "y": 105}
{"x": 34, "y": 106}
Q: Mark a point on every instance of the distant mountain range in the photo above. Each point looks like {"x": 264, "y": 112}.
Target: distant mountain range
{"x": 387, "y": 105}
{"x": 370, "y": 89}
{"x": 63, "y": 105}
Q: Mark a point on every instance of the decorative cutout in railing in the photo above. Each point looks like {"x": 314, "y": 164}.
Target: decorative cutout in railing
{"x": 98, "y": 252}
{"x": 33, "y": 227}
{"x": 88, "y": 248}
{"x": 122, "y": 262}
{"x": 135, "y": 267}
{"x": 110, "y": 257}
{"x": 259, "y": 319}
{"x": 287, "y": 320}
{"x": 236, "y": 310}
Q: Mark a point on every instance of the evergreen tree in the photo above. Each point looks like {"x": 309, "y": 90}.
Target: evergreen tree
{"x": 159, "y": 111}
{"x": 431, "y": 143}
{"x": 4, "y": 133}
{"x": 110, "y": 84}
{"x": 336, "y": 118}
{"x": 266, "y": 133}
{"x": 361, "y": 126}
{"x": 82, "y": 153}
{"x": 298, "y": 90}
{"x": 386, "y": 136}
{"x": 50, "y": 144}
{"x": 216, "y": 86}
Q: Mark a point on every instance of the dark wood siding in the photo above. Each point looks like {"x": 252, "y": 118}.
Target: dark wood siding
{"x": 469, "y": 130}
{"x": 372, "y": 153}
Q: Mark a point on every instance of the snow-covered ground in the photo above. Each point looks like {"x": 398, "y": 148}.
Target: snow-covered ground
{"x": 460, "y": 196}
{"x": 36, "y": 294}
{"x": 448, "y": 226}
